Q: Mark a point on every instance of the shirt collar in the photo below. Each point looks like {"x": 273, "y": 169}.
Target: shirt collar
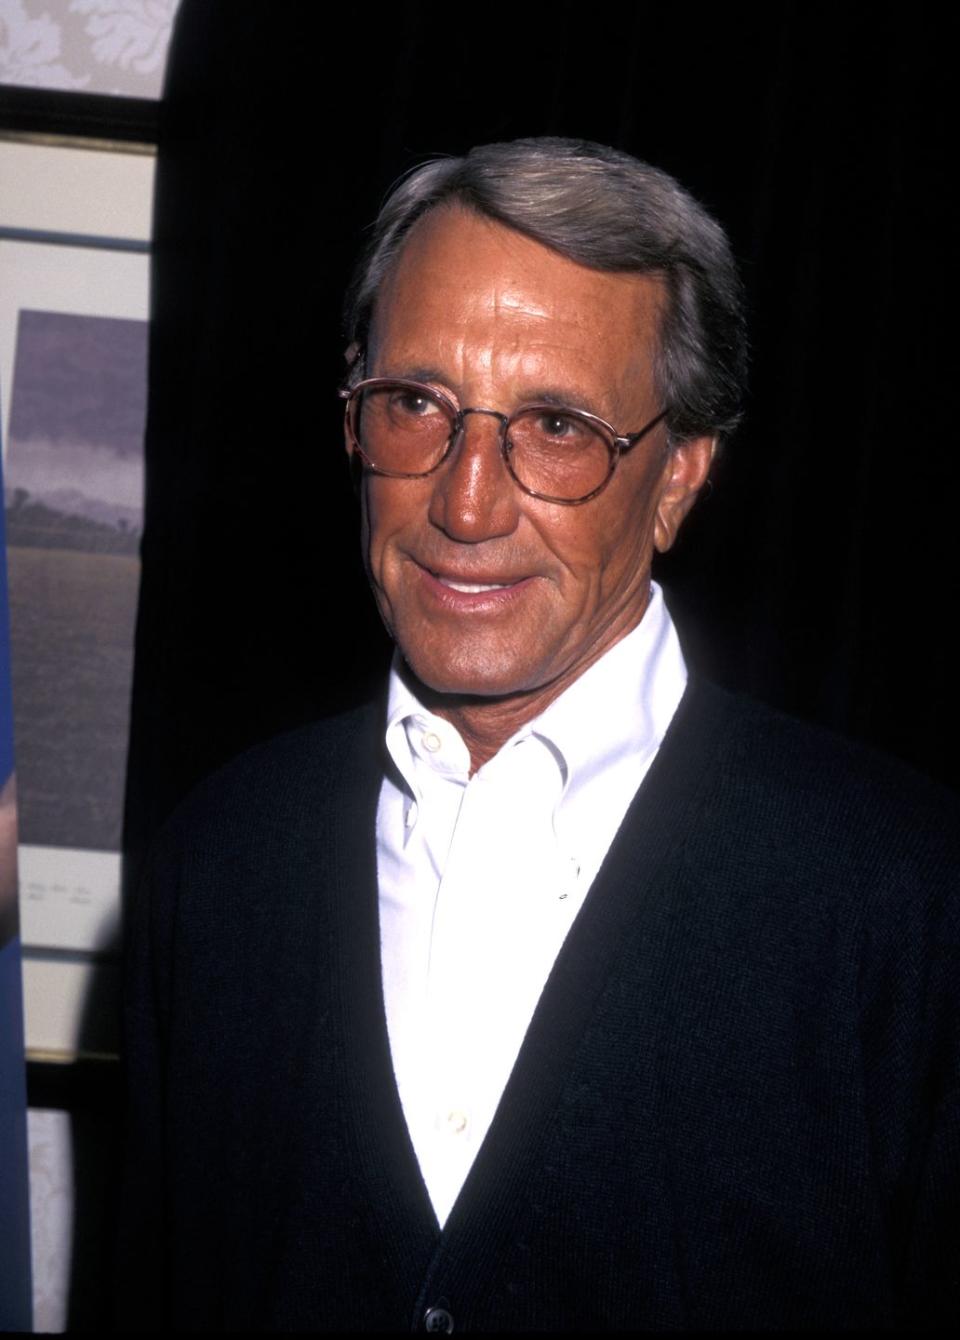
{"x": 621, "y": 705}
{"x": 409, "y": 723}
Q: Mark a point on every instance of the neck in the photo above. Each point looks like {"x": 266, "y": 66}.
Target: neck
{"x": 485, "y": 724}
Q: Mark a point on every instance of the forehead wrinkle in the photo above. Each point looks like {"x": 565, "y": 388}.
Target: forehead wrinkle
{"x": 509, "y": 300}
{"x": 497, "y": 323}
{"x": 514, "y": 298}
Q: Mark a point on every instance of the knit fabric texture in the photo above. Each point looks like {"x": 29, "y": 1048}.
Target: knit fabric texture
{"x": 736, "y": 1107}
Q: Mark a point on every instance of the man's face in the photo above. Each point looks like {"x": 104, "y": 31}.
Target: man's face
{"x": 494, "y": 319}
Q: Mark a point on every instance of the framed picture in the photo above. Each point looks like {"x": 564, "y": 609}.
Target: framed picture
{"x": 74, "y": 242}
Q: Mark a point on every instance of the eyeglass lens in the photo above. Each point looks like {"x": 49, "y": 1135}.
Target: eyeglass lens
{"x": 555, "y": 452}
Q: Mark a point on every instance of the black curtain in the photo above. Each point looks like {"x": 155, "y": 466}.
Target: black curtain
{"x": 818, "y": 575}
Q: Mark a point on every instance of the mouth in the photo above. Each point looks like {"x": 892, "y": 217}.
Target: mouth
{"x": 473, "y": 591}
{"x": 471, "y": 588}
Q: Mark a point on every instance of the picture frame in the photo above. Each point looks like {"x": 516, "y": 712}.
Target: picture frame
{"x": 74, "y": 259}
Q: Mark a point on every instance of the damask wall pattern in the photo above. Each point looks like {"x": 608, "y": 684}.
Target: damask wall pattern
{"x": 90, "y": 46}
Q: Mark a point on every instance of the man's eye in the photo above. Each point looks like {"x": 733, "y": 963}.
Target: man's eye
{"x": 559, "y": 427}
{"x": 413, "y": 403}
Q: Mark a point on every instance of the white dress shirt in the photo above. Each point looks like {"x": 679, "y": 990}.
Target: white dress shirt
{"x": 480, "y": 878}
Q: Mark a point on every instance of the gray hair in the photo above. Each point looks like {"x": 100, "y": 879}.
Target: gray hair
{"x": 605, "y": 209}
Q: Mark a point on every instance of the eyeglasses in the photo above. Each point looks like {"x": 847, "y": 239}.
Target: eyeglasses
{"x": 407, "y": 430}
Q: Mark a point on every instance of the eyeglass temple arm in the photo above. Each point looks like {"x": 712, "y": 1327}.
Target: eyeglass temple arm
{"x": 625, "y": 443}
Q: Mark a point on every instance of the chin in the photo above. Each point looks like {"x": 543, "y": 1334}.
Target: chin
{"x": 453, "y": 680}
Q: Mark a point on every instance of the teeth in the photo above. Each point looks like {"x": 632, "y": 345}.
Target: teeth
{"x": 472, "y": 588}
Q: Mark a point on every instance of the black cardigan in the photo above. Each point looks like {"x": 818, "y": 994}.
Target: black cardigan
{"x": 736, "y": 1105}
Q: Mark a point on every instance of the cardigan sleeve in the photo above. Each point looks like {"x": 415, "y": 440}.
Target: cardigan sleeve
{"x": 931, "y": 1205}
{"x": 911, "y": 1050}
{"x": 931, "y": 1296}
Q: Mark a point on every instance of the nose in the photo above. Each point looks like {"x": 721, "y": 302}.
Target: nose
{"x": 474, "y": 498}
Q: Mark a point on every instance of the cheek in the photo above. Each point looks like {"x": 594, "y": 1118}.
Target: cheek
{"x": 613, "y": 556}
{"x": 391, "y": 509}
{"x": 373, "y": 536}
{"x": 379, "y": 520}
{"x": 598, "y": 549}
{"x": 366, "y": 526}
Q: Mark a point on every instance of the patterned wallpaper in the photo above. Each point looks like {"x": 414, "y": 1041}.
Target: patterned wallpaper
{"x": 94, "y": 46}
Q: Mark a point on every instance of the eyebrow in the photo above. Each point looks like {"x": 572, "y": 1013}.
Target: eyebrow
{"x": 420, "y": 373}
{"x": 562, "y": 398}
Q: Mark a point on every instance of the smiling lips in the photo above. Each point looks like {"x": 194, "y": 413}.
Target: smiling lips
{"x": 458, "y": 586}
{"x": 473, "y": 588}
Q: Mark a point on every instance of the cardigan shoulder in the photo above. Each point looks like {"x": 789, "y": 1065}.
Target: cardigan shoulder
{"x": 284, "y": 780}
{"x": 825, "y": 799}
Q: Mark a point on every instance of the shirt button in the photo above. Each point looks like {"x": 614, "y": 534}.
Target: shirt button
{"x": 438, "y": 1319}
{"x": 431, "y": 741}
{"x": 456, "y": 1122}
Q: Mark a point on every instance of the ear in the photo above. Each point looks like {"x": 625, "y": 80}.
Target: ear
{"x": 685, "y": 474}
{"x": 356, "y": 472}
{"x": 354, "y": 462}
{"x": 352, "y": 354}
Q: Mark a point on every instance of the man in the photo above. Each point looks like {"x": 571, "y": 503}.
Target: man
{"x": 555, "y": 991}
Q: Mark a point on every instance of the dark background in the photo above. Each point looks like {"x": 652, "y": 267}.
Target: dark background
{"x": 820, "y": 573}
